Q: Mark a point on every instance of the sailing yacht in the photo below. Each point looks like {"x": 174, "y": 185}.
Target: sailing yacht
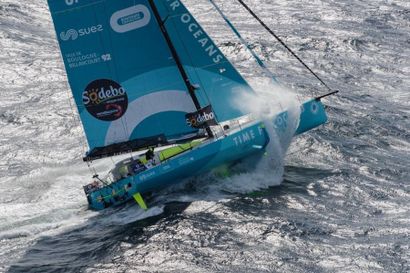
{"x": 145, "y": 76}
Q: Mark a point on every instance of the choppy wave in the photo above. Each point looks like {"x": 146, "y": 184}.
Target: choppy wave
{"x": 343, "y": 202}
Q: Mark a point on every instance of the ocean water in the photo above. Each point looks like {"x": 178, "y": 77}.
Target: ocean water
{"x": 343, "y": 200}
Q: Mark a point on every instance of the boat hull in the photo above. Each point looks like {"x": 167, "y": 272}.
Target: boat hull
{"x": 232, "y": 147}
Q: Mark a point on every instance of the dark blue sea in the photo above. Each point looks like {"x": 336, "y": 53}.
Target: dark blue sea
{"x": 337, "y": 202}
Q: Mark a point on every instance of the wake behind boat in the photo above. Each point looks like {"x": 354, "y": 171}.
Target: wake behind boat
{"x": 144, "y": 74}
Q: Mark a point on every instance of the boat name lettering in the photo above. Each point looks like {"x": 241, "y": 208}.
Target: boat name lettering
{"x": 244, "y": 137}
{"x": 198, "y": 33}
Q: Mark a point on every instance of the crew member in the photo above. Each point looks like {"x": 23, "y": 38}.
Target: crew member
{"x": 149, "y": 154}
{"x": 150, "y": 157}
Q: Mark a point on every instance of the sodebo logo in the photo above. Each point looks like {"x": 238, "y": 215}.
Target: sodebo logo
{"x": 130, "y": 18}
{"x": 73, "y": 34}
{"x": 199, "y": 119}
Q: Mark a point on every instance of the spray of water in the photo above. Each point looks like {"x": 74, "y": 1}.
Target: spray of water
{"x": 279, "y": 108}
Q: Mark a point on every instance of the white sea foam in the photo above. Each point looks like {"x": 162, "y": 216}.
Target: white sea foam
{"x": 348, "y": 221}
{"x": 269, "y": 101}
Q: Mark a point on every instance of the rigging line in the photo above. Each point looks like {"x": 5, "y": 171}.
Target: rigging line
{"x": 248, "y": 46}
{"x": 283, "y": 43}
{"x": 243, "y": 41}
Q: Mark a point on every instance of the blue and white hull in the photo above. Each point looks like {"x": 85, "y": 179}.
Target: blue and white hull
{"x": 230, "y": 147}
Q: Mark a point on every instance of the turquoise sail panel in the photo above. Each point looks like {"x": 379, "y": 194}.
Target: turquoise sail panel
{"x": 220, "y": 84}
{"x": 124, "y": 80}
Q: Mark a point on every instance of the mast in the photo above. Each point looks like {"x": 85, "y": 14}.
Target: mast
{"x": 190, "y": 87}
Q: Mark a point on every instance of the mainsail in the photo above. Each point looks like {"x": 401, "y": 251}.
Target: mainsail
{"x": 125, "y": 80}
{"x": 219, "y": 82}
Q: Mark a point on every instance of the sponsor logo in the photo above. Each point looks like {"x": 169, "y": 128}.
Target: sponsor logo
{"x": 74, "y": 34}
{"x": 201, "y": 118}
{"x": 71, "y": 2}
{"x": 69, "y": 34}
{"x": 198, "y": 33}
{"x": 130, "y": 19}
{"x": 105, "y": 99}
